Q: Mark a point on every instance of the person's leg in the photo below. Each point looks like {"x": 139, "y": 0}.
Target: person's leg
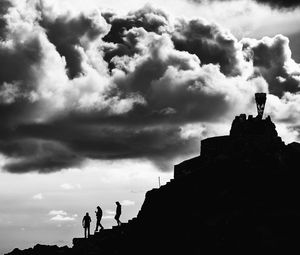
{"x": 88, "y": 231}
{"x": 84, "y": 232}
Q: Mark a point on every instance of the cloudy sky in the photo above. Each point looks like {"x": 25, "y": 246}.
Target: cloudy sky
{"x": 100, "y": 97}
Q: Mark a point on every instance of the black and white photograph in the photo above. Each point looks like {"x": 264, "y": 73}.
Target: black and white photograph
{"x": 149, "y": 127}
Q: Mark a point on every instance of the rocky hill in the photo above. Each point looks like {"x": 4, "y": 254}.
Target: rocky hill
{"x": 241, "y": 195}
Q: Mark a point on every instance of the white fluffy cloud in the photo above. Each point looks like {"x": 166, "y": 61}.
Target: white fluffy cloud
{"x": 272, "y": 59}
{"x": 60, "y": 216}
{"x": 81, "y": 85}
{"x": 57, "y": 212}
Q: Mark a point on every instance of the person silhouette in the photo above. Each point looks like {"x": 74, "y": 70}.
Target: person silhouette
{"x": 118, "y": 213}
{"x": 98, "y": 216}
{"x": 86, "y": 222}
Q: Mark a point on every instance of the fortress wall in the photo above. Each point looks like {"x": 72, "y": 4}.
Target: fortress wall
{"x": 215, "y": 146}
{"x": 186, "y": 167}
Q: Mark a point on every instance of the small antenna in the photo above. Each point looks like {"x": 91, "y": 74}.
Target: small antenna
{"x": 159, "y": 181}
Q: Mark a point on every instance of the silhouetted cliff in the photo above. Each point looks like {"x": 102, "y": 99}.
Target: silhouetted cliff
{"x": 240, "y": 196}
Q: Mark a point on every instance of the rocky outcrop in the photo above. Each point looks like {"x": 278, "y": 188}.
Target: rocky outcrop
{"x": 239, "y": 196}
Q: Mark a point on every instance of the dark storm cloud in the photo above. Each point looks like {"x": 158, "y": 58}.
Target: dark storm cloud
{"x": 210, "y": 43}
{"x": 149, "y": 18}
{"x": 4, "y": 6}
{"x": 272, "y": 59}
{"x": 278, "y": 4}
{"x": 36, "y": 152}
{"x": 172, "y": 80}
{"x": 38, "y": 155}
{"x": 103, "y": 86}
{"x": 67, "y": 33}
{"x": 18, "y": 59}
{"x": 281, "y": 4}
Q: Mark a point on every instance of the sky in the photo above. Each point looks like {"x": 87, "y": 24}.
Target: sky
{"x": 100, "y": 98}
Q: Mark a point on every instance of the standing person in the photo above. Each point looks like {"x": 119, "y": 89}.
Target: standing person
{"x": 99, "y": 217}
{"x": 86, "y": 222}
{"x": 118, "y": 213}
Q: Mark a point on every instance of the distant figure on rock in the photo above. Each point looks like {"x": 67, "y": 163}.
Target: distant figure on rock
{"x": 118, "y": 213}
{"x": 86, "y": 222}
{"x": 99, "y": 217}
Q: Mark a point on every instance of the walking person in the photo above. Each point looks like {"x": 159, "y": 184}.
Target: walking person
{"x": 99, "y": 217}
{"x": 86, "y": 222}
{"x": 118, "y": 213}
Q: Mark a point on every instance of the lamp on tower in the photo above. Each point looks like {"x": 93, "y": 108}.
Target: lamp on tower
{"x": 260, "y": 99}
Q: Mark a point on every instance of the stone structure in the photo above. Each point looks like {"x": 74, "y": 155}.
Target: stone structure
{"x": 250, "y": 139}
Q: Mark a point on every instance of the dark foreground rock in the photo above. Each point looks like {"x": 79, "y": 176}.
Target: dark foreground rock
{"x": 43, "y": 249}
{"x": 241, "y": 195}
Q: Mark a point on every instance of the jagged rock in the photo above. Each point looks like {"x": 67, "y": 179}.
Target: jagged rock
{"x": 43, "y": 250}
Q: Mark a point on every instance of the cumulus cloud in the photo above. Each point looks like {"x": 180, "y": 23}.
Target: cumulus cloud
{"x": 211, "y": 43}
{"x": 272, "y": 59}
{"x": 70, "y": 34}
{"x": 80, "y": 85}
{"x": 119, "y": 43}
